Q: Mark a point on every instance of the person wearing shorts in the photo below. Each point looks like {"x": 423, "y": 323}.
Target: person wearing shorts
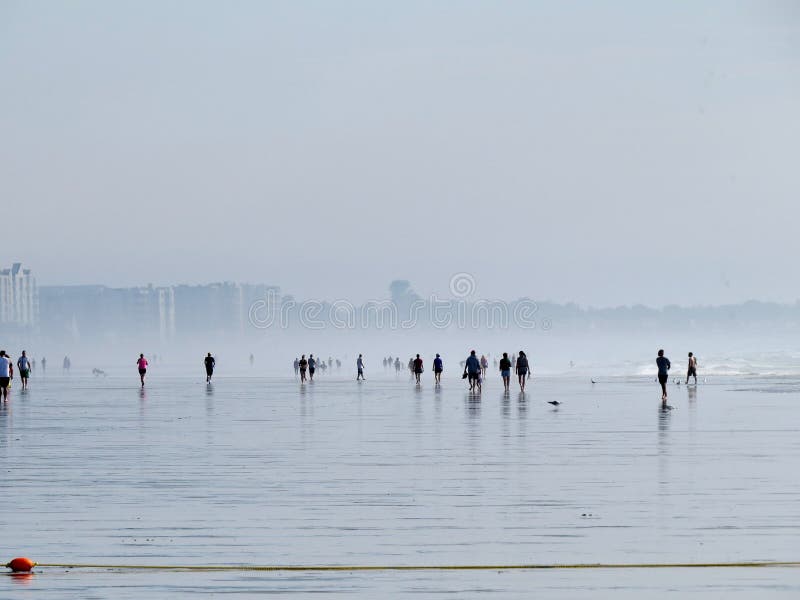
{"x": 663, "y": 374}
{"x": 5, "y": 374}
{"x": 142, "y": 364}
{"x": 303, "y": 364}
{"x": 417, "y": 368}
{"x": 472, "y": 368}
{"x": 312, "y": 366}
{"x": 505, "y": 370}
{"x": 692, "y": 371}
{"x": 24, "y": 366}
{"x": 438, "y": 367}
{"x": 523, "y": 370}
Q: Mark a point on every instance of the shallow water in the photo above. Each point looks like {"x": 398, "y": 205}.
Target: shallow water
{"x": 264, "y": 471}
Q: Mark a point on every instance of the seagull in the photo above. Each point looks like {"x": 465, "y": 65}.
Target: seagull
{"x": 554, "y": 402}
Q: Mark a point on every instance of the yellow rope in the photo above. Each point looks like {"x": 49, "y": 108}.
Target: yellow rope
{"x": 519, "y": 567}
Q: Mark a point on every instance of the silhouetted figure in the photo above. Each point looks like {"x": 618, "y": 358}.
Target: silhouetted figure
{"x": 663, "y": 364}
{"x": 303, "y": 364}
{"x": 210, "y": 363}
{"x": 417, "y": 365}
{"x": 523, "y": 370}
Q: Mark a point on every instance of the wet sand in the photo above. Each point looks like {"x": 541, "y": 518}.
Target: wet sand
{"x": 262, "y": 471}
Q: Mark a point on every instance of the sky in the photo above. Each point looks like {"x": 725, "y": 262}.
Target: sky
{"x": 604, "y": 153}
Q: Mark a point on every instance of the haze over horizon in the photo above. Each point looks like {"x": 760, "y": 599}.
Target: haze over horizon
{"x": 606, "y": 154}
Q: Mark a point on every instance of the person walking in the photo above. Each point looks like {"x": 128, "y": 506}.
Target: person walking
{"x": 24, "y": 366}
{"x": 472, "y": 370}
{"x": 210, "y": 364}
{"x": 663, "y": 364}
{"x": 303, "y": 365}
{"x": 417, "y": 367}
{"x": 141, "y": 363}
{"x": 505, "y": 370}
{"x": 484, "y": 366}
{"x": 438, "y": 367}
{"x": 5, "y": 374}
{"x": 523, "y": 370}
{"x": 691, "y": 372}
{"x": 296, "y": 366}
{"x": 312, "y": 366}
{"x": 360, "y": 367}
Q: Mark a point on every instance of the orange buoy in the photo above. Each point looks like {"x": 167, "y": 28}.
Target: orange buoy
{"x": 20, "y": 564}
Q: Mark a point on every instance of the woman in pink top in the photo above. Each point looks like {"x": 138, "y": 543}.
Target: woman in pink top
{"x": 142, "y": 364}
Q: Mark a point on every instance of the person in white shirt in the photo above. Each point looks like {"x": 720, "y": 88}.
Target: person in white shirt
{"x": 5, "y": 374}
{"x": 24, "y": 366}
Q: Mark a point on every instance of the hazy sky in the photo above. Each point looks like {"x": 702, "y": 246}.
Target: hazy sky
{"x": 606, "y": 153}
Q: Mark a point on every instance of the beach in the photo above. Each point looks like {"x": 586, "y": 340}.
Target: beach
{"x": 263, "y": 471}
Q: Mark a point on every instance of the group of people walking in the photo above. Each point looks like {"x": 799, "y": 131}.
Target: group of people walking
{"x": 7, "y": 372}
{"x": 474, "y": 369}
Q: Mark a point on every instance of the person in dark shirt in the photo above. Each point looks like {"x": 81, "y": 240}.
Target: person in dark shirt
{"x": 303, "y": 364}
{"x": 523, "y": 370}
{"x": 472, "y": 369}
{"x": 417, "y": 368}
{"x": 505, "y": 370}
{"x": 210, "y": 364}
{"x": 438, "y": 367}
{"x": 663, "y": 374}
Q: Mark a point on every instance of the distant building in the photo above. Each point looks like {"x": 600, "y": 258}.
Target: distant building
{"x": 19, "y": 297}
{"x": 158, "y": 313}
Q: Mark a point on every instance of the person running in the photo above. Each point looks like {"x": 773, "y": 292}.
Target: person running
{"x": 692, "y": 372}
{"x": 360, "y": 367}
{"x": 472, "y": 369}
{"x": 312, "y": 366}
{"x": 417, "y": 366}
{"x": 303, "y": 365}
{"x": 523, "y": 370}
{"x": 438, "y": 367}
{"x": 5, "y": 374}
{"x": 484, "y": 366}
{"x": 24, "y": 366}
{"x": 505, "y": 370}
{"x": 296, "y": 365}
{"x": 663, "y": 374}
{"x": 210, "y": 364}
{"x": 142, "y": 365}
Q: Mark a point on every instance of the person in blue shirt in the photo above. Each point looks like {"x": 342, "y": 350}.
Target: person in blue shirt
{"x": 472, "y": 369}
{"x": 438, "y": 367}
{"x": 663, "y": 374}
